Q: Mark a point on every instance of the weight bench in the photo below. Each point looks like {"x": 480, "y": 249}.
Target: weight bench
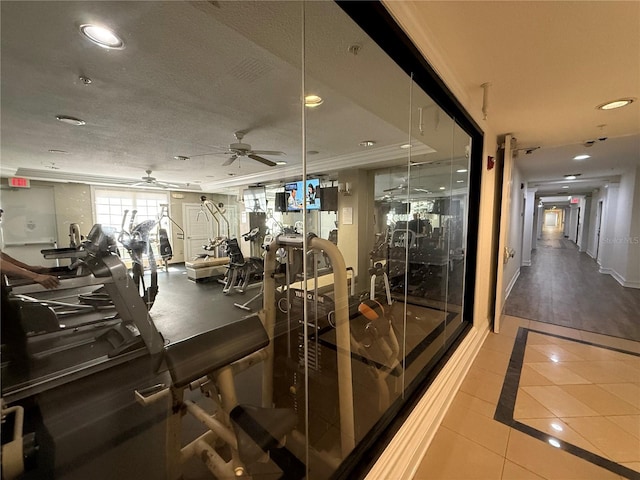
{"x": 205, "y": 267}
{"x": 209, "y": 361}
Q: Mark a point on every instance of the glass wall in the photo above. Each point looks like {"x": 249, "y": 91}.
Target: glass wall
{"x": 298, "y": 348}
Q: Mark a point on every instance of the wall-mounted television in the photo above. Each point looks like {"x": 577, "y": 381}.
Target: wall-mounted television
{"x": 255, "y": 199}
{"x": 296, "y": 192}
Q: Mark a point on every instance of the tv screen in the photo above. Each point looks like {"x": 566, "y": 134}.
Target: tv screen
{"x": 312, "y": 191}
{"x": 255, "y": 199}
{"x": 296, "y": 192}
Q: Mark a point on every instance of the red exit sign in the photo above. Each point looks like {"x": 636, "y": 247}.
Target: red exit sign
{"x": 575, "y": 200}
{"x": 19, "y": 182}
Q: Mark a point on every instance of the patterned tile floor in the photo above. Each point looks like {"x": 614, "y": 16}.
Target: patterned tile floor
{"x": 543, "y": 402}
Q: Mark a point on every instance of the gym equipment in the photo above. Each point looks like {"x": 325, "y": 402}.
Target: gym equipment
{"x": 18, "y": 449}
{"x": 245, "y": 306}
{"x": 164, "y": 248}
{"x": 209, "y": 361}
{"x": 136, "y": 241}
{"x": 241, "y": 270}
{"x": 60, "y": 357}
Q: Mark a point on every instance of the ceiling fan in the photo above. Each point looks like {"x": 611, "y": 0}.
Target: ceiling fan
{"x": 240, "y": 149}
{"x": 150, "y": 181}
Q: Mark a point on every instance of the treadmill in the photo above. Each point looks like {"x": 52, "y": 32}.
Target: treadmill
{"x": 93, "y": 343}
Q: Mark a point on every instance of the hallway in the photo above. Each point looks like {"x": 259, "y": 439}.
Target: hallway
{"x": 556, "y": 394}
{"x": 542, "y": 402}
{"x": 563, "y": 287}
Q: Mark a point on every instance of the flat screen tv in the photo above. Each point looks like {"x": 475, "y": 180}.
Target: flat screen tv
{"x": 296, "y": 192}
{"x": 255, "y": 199}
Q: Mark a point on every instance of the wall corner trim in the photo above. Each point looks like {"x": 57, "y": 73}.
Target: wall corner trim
{"x": 402, "y": 457}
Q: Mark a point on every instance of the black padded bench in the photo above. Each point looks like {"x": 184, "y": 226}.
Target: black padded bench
{"x": 195, "y": 357}
{"x": 258, "y": 430}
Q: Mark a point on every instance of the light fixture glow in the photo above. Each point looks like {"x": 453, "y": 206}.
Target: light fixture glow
{"x": 557, "y": 427}
{"x": 405, "y": 146}
{"x": 70, "y": 120}
{"x": 313, "y": 101}
{"x": 281, "y": 162}
{"x": 459, "y": 181}
{"x": 554, "y": 443}
{"x": 565, "y": 186}
{"x": 102, "y": 36}
{"x": 182, "y": 158}
{"x": 621, "y": 102}
{"x": 570, "y": 177}
{"x": 367, "y": 143}
{"x": 442, "y": 188}
{"x": 61, "y": 152}
{"x": 462, "y": 170}
{"x": 581, "y": 157}
{"x": 554, "y": 359}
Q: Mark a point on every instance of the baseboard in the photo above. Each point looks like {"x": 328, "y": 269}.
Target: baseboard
{"x": 622, "y": 281}
{"x": 619, "y": 278}
{"x": 591, "y": 254}
{"x": 511, "y": 284}
{"x": 402, "y": 457}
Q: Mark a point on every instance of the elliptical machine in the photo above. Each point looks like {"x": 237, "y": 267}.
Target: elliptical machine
{"x": 241, "y": 269}
{"x": 136, "y": 241}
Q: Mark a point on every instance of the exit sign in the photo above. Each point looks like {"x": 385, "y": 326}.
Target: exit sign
{"x": 19, "y": 182}
{"x": 575, "y": 200}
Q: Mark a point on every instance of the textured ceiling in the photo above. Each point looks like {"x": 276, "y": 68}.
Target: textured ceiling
{"x": 193, "y": 73}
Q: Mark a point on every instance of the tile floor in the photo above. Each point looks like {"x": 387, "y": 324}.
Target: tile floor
{"x": 543, "y": 402}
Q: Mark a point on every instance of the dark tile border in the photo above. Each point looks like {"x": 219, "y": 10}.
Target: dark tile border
{"x": 507, "y": 402}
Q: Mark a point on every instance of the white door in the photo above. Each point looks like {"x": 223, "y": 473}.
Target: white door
{"x": 505, "y": 215}
{"x": 198, "y": 229}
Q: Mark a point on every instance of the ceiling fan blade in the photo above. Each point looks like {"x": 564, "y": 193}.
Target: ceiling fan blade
{"x": 268, "y": 152}
{"x": 221, "y": 152}
{"x": 229, "y": 161}
{"x": 393, "y": 189}
{"x": 262, "y": 160}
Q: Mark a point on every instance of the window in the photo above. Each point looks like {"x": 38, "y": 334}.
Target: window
{"x": 111, "y": 205}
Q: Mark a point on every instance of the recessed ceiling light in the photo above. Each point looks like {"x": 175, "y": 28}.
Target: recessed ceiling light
{"x": 367, "y": 143}
{"x": 281, "y": 162}
{"x": 181, "y": 158}
{"x": 462, "y": 170}
{"x": 61, "y": 152}
{"x": 581, "y": 157}
{"x": 621, "y": 102}
{"x": 459, "y": 181}
{"x": 405, "y": 146}
{"x": 565, "y": 186}
{"x": 572, "y": 176}
{"x": 102, "y": 36}
{"x": 70, "y": 120}
{"x": 313, "y": 101}
{"x": 442, "y": 188}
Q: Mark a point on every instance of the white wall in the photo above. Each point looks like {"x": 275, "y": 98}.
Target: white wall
{"x": 621, "y": 239}
{"x": 514, "y": 240}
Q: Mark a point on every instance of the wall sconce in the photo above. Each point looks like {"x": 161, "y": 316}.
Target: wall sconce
{"x": 344, "y": 188}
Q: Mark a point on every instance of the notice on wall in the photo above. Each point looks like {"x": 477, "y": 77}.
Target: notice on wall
{"x": 347, "y": 215}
